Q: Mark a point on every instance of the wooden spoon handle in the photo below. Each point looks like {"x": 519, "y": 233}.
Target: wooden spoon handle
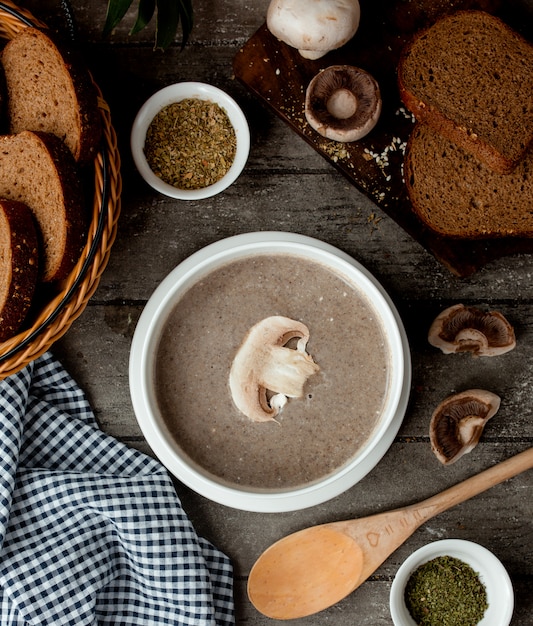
{"x": 475, "y": 485}
{"x": 379, "y": 536}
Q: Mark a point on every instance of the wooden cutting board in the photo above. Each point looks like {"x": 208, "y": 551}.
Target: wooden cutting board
{"x": 278, "y": 76}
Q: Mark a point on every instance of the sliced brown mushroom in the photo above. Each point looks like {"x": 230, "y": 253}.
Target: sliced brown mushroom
{"x": 265, "y": 371}
{"x": 458, "y": 422}
{"x": 461, "y": 328}
{"x": 343, "y": 103}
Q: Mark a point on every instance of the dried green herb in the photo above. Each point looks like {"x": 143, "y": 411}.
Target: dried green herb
{"x": 190, "y": 144}
{"x": 446, "y": 592}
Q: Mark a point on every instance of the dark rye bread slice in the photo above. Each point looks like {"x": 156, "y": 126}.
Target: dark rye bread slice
{"x": 470, "y": 77}
{"x": 49, "y": 89}
{"x": 19, "y": 265}
{"x": 38, "y": 170}
{"x": 456, "y": 195}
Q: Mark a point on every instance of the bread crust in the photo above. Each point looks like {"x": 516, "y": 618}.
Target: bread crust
{"x": 85, "y": 141}
{"x": 28, "y": 162}
{"x": 460, "y": 135}
{"x": 468, "y": 135}
{"x": 19, "y": 265}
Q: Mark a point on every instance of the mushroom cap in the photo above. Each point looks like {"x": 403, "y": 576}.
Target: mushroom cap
{"x": 461, "y": 328}
{"x": 343, "y": 103}
{"x": 457, "y": 423}
{"x": 313, "y": 27}
{"x": 265, "y": 371}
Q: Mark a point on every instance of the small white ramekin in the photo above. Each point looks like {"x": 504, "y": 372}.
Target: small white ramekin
{"x": 176, "y": 93}
{"x": 491, "y": 572}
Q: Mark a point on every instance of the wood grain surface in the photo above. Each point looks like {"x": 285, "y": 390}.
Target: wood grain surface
{"x": 287, "y": 185}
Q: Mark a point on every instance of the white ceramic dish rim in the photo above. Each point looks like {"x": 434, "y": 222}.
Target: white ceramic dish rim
{"x": 490, "y": 569}
{"x": 147, "y": 328}
{"x": 176, "y": 93}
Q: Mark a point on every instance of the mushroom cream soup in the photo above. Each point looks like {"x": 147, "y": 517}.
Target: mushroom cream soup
{"x": 313, "y": 435}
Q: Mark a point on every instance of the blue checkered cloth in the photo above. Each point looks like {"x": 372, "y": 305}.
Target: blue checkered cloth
{"x": 91, "y": 531}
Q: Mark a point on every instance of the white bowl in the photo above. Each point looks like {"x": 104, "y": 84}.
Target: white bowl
{"x": 150, "y": 326}
{"x": 176, "y": 93}
{"x": 491, "y": 572}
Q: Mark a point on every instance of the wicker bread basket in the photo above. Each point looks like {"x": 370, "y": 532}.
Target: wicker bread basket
{"x": 54, "y": 313}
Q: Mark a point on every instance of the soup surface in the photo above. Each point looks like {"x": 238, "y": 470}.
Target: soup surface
{"x": 314, "y": 435}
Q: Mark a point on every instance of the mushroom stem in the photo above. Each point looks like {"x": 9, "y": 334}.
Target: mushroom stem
{"x": 287, "y": 371}
{"x": 342, "y": 104}
{"x": 312, "y": 55}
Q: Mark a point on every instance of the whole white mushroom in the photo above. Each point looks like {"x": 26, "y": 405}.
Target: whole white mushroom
{"x": 313, "y": 27}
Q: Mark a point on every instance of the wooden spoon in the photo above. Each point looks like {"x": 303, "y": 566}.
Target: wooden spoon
{"x": 314, "y": 568}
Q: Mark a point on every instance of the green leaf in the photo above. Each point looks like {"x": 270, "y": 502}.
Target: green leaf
{"x": 186, "y": 15}
{"x": 144, "y": 15}
{"x": 169, "y": 14}
{"x": 167, "y": 21}
{"x": 116, "y": 10}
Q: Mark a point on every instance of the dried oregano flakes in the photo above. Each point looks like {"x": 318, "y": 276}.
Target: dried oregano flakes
{"x": 190, "y": 144}
{"x": 445, "y": 592}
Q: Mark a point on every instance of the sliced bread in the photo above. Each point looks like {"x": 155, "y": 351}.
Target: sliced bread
{"x": 456, "y": 195}
{"x": 38, "y": 170}
{"x": 471, "y": 78}
{"x": 49, "y": 89}
{"x": 19, "y": 263}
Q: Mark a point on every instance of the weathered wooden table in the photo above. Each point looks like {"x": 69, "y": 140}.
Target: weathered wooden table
{"x": 288, "y": 186}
